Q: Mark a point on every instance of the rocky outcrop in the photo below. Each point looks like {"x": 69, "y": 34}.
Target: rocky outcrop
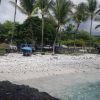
{"x": 9, "y": 91}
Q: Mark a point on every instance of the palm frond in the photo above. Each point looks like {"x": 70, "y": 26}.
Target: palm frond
{"x": 52, "y": 18}
{"x": 44, "y": 5}
{"x": 27, "y": 5}
{"x": 81, "y": 13}
{"x": 97, "y": 11}
{"x": 61, "y": 9}
{"x": 92, "y": 5}
{"x": 97, "y": 26}
{"x": 20, "y": 8}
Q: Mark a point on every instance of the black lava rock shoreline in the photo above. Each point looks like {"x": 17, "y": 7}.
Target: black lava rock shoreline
{"x": 9, "y": 91}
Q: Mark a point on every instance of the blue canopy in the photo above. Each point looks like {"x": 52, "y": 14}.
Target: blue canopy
{"x": 27, "y": 49}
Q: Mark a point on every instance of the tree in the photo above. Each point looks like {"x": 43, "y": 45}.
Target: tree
{"x": 68, "y": 33}
{"x": 3, "y": 33}
{"x": 61, "y": 10}
{"x": 92, "y": 6}
{"x": 6, "y": 31}
{"x": 27, "y": 8}
{"x": 23, "y": 34}
{"x": 84, "y": 35}
{"x": 43, "y": 6}
{"x": 80, "y": 15}
{"x": 14, "y": 23}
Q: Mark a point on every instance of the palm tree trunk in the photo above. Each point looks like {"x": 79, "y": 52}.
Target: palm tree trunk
{"x": 14, "y": 22}
{"x": 91, "y": 32}
{"x": 42, "y": 33}
{"x": 54, "y": 44}
{"x": 33, "y": 42}
{"x": 75, "y": 36}
{"x": 31, "y": 30}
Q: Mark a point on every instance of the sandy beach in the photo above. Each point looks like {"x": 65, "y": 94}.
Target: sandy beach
{"x": 17, "y": 67}
{"x": 50, "y": 73}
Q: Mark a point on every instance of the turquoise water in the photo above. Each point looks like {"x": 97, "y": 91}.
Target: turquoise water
{"x": 86, "y": 91}
{"x": 78, "y": 86}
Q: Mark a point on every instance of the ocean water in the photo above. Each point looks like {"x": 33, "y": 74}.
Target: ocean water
{"x": 78, "y": 86}
{"x": 87, "y": 91}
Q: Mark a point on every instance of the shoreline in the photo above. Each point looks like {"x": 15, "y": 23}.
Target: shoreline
{"x": 56, "y": 84}
{"x": 50, "y": 73}
{"x": 17, "y": 67}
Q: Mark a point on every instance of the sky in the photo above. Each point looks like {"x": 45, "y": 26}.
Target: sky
{"x": 7, "y": 13}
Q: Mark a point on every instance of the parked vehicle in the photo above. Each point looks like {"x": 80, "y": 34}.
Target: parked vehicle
{"x": 27, "y": 51}
{"x": 27, "y": 45}
{"x": 11, "y": 49}
{"x": 98, "y": 48}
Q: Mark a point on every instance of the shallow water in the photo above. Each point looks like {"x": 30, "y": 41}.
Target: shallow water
{"x": 86, "y": 91}
{"x": 78, "y": 86}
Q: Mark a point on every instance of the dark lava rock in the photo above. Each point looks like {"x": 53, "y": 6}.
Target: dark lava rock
{"x": 9, "y": 91}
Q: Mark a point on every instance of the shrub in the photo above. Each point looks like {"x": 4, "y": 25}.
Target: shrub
{"x": 71, "y": 42}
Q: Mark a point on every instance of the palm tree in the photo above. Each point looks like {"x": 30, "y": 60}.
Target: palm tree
{"x": 61, "y": 10}
{"x": 27, "y": 8}
{"x": 92, "y": 6}
{"x": 14, "y": 22}
{"x": 80, "y": 15}
{"x": 43, "y": 5}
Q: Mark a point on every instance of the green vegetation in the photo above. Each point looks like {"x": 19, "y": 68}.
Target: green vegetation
{"x": 2, "y": 51}
{"x": 82, "y": 39}
{"x": 54, "y": 26}
{"x": 61, "y": 10}
{"x": 23, "y": 34}
{"x": 92, "y": 8}
{"x": 43, "y": 5}
{"x": 80, "y": 15}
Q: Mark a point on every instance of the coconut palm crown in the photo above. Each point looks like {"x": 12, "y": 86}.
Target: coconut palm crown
{"x": 92, "y": 6}
{"x": 61, "y": 10}
{"x": 26, "y": 6}
{"x": 80, "y": 15}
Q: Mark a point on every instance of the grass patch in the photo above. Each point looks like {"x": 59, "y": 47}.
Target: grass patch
{"x": 2, "y": 51}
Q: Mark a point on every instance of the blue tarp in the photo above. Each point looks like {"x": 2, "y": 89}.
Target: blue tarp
{"x": 27, "y": 49}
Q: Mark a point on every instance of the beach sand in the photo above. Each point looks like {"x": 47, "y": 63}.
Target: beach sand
{"x": 50, "y": 73}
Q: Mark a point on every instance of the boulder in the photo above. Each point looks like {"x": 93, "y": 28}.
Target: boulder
{"x": 9, "y": 91}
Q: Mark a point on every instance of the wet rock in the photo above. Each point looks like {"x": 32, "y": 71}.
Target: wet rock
{"x": 9, "y": 91}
